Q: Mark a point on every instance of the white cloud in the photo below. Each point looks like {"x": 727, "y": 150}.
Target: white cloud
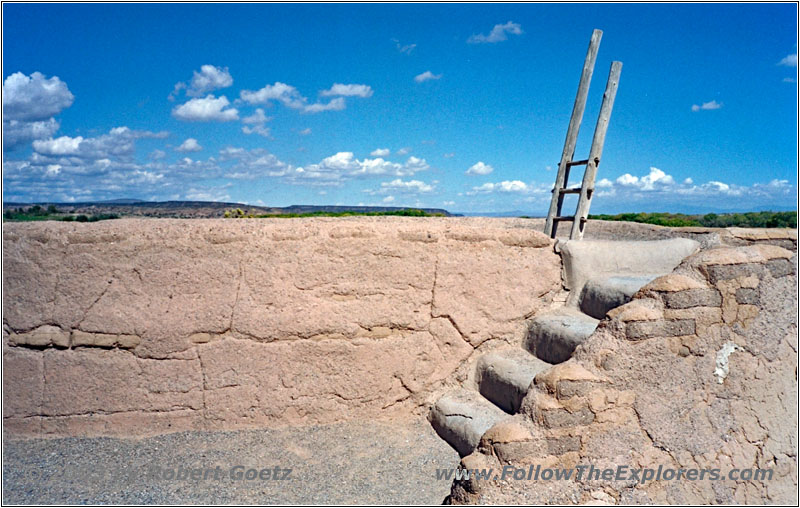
{"x": 64, "y": 145}
{"x": 255, "y": 124}
{"x": 208, "y": 109}
{"x": 119, "y": 142}
{"x": 343, "y": 165}
{"x": 290, "y": 97}
{"x": 29, "y": 105}
{"x": 479, "y": 168}
{"x": 789, "y": 80}
{"x": 706, "y": 106}
{"x": 34, "y": 97}
{"x": 789, "y": 60}
{"x": 336, "y": 104}
{"x": 261, "y": 130}
{"x": 157, "y": 154}
{"x": 281, "y": 92}
{"x": 604, "y": 183}
{"x": 509, "y": 186}
{"x": 258, "y": 117}
{"x": 449, "y": 155}
{"x": 403, "y": 151}
{"x": 348, "y": 90}
{"x": 16, "y": 133}
{"x": 380, "y": 152}
{"x": 497, "y": 34}
{"x": 658, "y": 183}
{"x": 209, "y": 78}
{"x": 426, "y": 76}
{"x": 190, "y": 145}
{"x": 656, "y": 177}
{"x": 628, "y": 179}
{"x": 388, "y": 199}
{"x": 412, "y": 186}
{"x": 305, "y": 132}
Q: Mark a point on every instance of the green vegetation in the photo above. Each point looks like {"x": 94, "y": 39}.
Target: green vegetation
{"x": 710, "y": 220}
{"x": 37, "y": 213}
{"x": 238, "y": 213}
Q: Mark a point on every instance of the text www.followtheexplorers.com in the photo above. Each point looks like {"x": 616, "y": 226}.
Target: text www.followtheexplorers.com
{"x": 591, "y": 473}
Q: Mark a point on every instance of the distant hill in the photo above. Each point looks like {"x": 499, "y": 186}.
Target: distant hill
{"x": 200, "y": 209}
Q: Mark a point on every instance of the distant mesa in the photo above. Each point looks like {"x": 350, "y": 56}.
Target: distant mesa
{"x": 204, "y": 209}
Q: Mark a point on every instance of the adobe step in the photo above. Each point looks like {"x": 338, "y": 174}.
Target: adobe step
{"x": 600, "y": 295}
{"x": 554, "y": 336}
{"x": 461, "y": 417}
{"x": 504, "y": 376}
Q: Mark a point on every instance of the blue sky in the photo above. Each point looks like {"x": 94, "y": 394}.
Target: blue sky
{"x": 463, "y": 107}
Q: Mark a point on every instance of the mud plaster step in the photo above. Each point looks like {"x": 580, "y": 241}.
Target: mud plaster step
{"x": 603, "y": 294}
{"x": 461, "y": 417}
{"x": 553, "y": 337}
{"x": 504, "y": 376}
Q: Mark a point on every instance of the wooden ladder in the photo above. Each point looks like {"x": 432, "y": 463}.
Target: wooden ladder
{"x": 586, "y": 189}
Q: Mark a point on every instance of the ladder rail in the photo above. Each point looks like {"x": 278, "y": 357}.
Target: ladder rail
{"x": 596, "y": 151}
{"x": 578, "y": 108}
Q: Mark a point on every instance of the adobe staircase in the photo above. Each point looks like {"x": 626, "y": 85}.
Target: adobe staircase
{"x": 503, "y": 376}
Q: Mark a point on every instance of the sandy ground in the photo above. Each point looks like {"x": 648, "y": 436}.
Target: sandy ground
{"x": 346, "y": 463}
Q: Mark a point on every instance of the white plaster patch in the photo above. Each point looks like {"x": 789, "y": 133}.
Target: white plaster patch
{"x": 721, "y": 371}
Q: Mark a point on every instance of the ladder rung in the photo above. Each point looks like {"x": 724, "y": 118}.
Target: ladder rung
{"x": 578, "y": 163}
{"x": 576, "y": 190}
{"x": 562, "y": 218}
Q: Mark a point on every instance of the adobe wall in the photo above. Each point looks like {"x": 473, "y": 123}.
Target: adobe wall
{"x": 133, "y": 327}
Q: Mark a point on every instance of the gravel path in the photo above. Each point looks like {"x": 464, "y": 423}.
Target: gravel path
{"x": 346, "y": 463}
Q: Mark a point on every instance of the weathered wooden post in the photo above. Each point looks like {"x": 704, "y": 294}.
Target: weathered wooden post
{"x": 596, "y": 152}
{"x": 562, "y": 177}
{"x": 586, "y": 189}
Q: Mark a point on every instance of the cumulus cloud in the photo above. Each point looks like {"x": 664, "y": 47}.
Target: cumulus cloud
{"x": 380, "y": 152}
{"x": 336, "y": 104}
{"x": 498, "y": 33}
{"x": 34, "y": 97}
{"x": 426, "y": 76}
{"x": 512, "y": 186}
{"x": 190, "y": 145}
{"x": 290, "y": 97}
{"x": 343, "y": 165}
{"x": 17, "y": 133}
{"x": 255, "y": 124}
{"x": 706, "y": 106}
{"x": 479, "y": 168}
{"x": 30, "y": 104}
{"x": 157, "y": 154}
{"x": 411, "y": 186}
{"x": 119, "y": 142}
{"x": 348, "y": 90}
{"x": 209, "y": 78}
{"x": 208, "y": 109}
{"x": 258, "y": 117}
{"x": 261, "y": 130}
{"x": 789, "y": 60}
{"x": 656, "y": 177}
{"x": 281, "y": 92}
{"x": 660, "y": 187}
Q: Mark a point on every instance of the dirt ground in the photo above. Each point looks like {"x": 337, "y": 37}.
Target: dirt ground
{"x": 346, "y": 463}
